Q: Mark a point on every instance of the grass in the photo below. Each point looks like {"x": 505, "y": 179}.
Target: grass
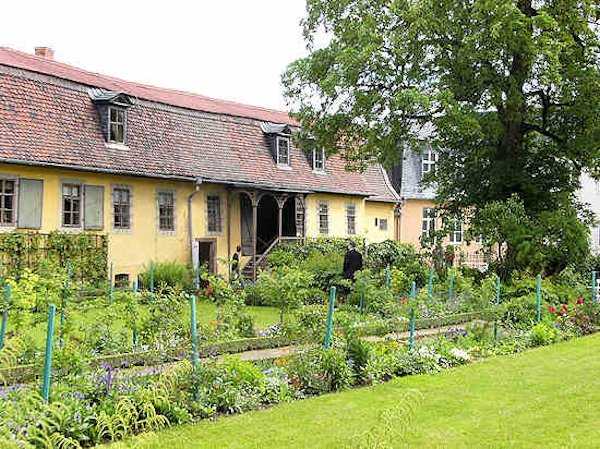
{"x": 543, "y": 398}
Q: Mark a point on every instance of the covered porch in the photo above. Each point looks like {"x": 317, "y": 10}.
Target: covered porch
{"x": 267, "y": 218}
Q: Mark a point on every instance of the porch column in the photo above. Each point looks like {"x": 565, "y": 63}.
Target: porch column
{"x": 254, "y": 225}
{"x": 281, "y": 199}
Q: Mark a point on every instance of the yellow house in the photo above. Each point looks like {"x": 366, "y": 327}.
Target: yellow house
{"x": 168, "y": 175}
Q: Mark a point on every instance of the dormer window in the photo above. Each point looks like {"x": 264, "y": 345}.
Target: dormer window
{"x": 428, "y": 161}
{"x": 319, "y": 160}
{"x": 112, "y": 110}
{"x": 283, "y": 150}
{"x": 116, "y": 125}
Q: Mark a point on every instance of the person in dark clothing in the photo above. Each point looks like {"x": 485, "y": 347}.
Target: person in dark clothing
{"x": 235, "y": 262}
{"x": 353, "y": 262}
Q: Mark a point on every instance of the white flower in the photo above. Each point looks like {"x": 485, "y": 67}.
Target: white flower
{"x": 460, "y": 354}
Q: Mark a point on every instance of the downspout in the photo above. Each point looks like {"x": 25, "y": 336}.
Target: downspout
{"x": 197, "y": 184}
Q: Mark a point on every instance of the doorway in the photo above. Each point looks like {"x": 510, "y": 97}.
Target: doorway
{"x": 207, "y": 250}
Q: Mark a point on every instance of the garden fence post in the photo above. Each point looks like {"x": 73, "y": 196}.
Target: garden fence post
{"x": 497, "y": 303}
{"x": 63, "y": 302}
{"x": 110, "y": 284}
{"x": 594, "y": 286}
{"x": 361, "y": 305}
{"x": 4, "y": 325}
{"x": 388, "y": 277}
{"x": 194, "y": 331}
{"x": 538, "y": 297}
{"x": 134, "y": 336}
{"x": 451, "y": 287}
{"x": 430, "y": 284}
{"x": 411, "y": 335}
{"x": 48, "y": 358}
{"x": 329, "y": 329}
{"x": 152, "y": 277}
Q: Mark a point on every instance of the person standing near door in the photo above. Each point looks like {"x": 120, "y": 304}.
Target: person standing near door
{"x": 235, "y": 263}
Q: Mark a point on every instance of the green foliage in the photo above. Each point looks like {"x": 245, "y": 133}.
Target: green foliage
{"x": 318, "y": 371}
{"x": 543, "y": 334}
{"x": 287, "y": 288}
{"x": 414, "y": 70}
{"x": 86, "y": 253}
{"x": 399, "y": 255}
{"x": 168, "y": 274}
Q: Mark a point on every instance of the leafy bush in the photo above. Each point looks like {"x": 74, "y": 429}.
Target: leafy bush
{"x": 318, "y": 371}
{"x": 167, "y": 274}
{"x": 287, "y": 288}
{"x": 400, "y": 255}
{"x": 543, "y": 334}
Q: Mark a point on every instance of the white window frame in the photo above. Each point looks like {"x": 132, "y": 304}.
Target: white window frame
{"x": 321, "y": 152}
{"x": 350, "y": 208}
{"x": 456, "y": 236}
{"x": 219, "y": 223}
{"x": 79, "y": 185}
{"x": 129, "y": 190}
{"x": 159, "y": 193}
{"x": 326, "y": 214}
{"x": 428, "y": 216}
{"x": 279, "y": 162}
{"x": 124, "y": 124}
{"x": 15, "y": 208}
{"x": 428, "y": 161}
{"x": 383, "y": 224}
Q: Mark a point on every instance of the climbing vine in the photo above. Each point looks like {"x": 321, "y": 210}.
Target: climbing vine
{"x": 85, "y": 253}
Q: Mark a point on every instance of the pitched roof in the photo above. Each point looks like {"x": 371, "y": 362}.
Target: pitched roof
{"x": 47, "y": 117}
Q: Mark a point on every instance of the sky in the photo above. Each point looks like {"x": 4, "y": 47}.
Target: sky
{"x": 228, "y": 49}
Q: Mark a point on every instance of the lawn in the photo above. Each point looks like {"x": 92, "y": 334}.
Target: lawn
{"x": 543, "y": 398}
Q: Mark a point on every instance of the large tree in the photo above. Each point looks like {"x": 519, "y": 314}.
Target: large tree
{"x": 508, "y": 92}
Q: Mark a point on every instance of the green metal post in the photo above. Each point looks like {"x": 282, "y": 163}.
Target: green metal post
{"x": 594, "y": 287}
{"x": 451, "y": 287}
{"x": 411, "y": 335}
{"x": 134, "y": 336}
{"x": 152, "y": 277}
{"x": 3, "y": 328}
{"x": 361, "y": 305}
{"x": 4, "y": 325}
{"x": 388, "y": 277}
{"x": 430, "y": 284}
{"x": 63, "y": 302}
{"x": 194, "y": 328}
{"x": 111, "y": 288}
{"x": 538, "y": 297}
{"x": 497, "y": 303}
{"x": 48, "y": 358}
{"x": 329, "y": 329}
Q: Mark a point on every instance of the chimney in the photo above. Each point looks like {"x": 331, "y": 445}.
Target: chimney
{"x": 44, "y": 52}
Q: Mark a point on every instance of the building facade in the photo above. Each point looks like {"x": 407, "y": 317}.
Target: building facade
{"x": 589, "y": 194}
{"x": 168, "y": 175}
{"x": 417, "y": 217}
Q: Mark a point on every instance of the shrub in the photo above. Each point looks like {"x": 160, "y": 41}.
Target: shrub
{"x": 543, "y": 334}
{"x": 318, "y": 371}
{"x": 400, "y": 255}
{"x": 167, "y": 274}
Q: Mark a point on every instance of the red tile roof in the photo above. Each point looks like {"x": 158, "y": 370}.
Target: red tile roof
{"x": 50, "y": 119}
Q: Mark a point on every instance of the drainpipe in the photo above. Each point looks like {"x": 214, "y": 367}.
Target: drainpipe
{"x": 197, "y": 184}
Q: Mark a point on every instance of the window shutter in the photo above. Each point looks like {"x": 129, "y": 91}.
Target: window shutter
{"x": 30, "y": 203}
{"x": 93, "y": 207}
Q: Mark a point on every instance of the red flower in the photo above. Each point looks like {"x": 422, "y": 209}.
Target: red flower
{"x": 564, "y": 309}
{"x": 580, "y": 300}
{"x": 551, "y": 309}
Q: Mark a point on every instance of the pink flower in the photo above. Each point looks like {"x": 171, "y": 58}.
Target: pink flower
{"x": 551, "y": 309}
{"x": 580, "y": 300}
